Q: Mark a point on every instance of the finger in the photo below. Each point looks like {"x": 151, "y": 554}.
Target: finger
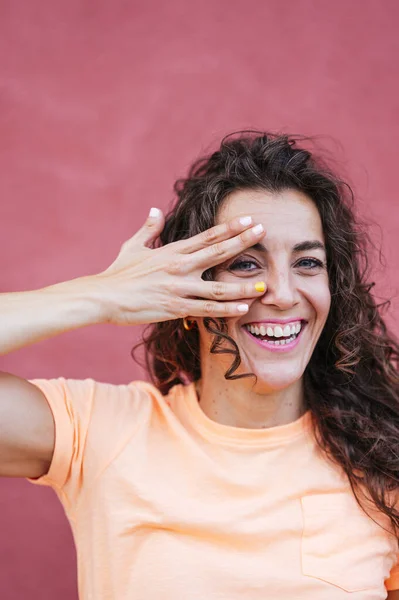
{"x": 221, "y": 251}
{"x": 215, "y": 234}
{"x": 219, "y": 290}
{"x": 210, "y": 308}
{"x": 150, "y": 230}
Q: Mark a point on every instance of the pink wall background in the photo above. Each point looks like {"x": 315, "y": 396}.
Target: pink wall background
{"x": 103, "y": 105}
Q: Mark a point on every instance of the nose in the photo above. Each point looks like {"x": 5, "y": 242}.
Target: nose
{"x": 281, "y": 290}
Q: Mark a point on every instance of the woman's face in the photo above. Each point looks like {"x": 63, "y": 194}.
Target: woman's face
{"x": 297, "y": 296}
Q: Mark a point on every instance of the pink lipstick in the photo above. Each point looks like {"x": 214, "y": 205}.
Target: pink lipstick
{"x": 271, "y": 345}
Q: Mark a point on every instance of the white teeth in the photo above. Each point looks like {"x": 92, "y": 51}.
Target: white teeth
{"x": 276, "y": 331}
{"x": 287, "y": 331}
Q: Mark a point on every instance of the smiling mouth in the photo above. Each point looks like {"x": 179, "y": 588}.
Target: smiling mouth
{"x": 276, "y": 335}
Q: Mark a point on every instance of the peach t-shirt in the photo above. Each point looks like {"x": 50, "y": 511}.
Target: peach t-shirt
{"x": 165, "y": 503}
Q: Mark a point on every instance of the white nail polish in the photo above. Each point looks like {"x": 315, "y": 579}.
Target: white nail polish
{"x": 154, "y": 212}
{"x": 257, "y": 229}
{"x": 242, "y": 307}
{"x": 246, "y": 220}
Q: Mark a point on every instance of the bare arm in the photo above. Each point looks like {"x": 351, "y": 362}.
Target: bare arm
{"x": 26, "y": 423}
{"x": 27, "y": 433}
{"x": 142, "y": 285}
{"x": 29, "y": 317}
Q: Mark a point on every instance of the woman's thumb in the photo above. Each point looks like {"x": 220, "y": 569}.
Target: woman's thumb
{"x": 143, "y": 237}
{"x": 152, "y": 227}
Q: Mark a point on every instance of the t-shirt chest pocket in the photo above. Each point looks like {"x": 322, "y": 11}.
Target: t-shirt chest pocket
{"x": 341, "y": 545}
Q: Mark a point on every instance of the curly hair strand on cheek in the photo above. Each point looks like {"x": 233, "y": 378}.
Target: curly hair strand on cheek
{"x": 352, "y": 381}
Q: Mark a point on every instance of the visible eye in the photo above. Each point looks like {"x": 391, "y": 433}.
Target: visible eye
{"x": 242, "y": 265}
{"x": 312, "y": 263}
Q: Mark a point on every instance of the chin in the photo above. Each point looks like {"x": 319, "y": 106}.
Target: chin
{"x": 273, "y": 380}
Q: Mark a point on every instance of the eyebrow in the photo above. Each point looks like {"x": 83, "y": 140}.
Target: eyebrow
{"x": 301, "y": 247}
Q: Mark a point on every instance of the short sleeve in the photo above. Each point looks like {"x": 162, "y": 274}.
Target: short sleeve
{"x": 392, "y": 583}
{"x": 93, "y": 422}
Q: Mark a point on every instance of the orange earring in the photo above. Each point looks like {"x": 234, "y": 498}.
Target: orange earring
{"x": 188, "y": 324}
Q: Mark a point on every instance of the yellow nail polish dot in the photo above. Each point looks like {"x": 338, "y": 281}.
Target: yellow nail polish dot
{"x": 260, "y": 286}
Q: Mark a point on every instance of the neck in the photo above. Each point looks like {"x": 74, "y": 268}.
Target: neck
{"x": 236, "y": 404}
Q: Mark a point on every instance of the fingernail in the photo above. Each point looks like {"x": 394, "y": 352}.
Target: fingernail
{"x": 257, "y": 229}
{"x": 154, "y": 212}
{"x": 246, "y": 220}
{"x": 260, "y": 286}
{"x": 242, "y": 307}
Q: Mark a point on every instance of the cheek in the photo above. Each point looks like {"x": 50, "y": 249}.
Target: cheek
{"x": 319, "y": 295}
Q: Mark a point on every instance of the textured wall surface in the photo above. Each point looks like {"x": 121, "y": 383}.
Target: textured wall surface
{"x": 102, "y": 105}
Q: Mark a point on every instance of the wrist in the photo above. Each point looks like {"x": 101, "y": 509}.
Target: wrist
{"x": 84, "y": 304}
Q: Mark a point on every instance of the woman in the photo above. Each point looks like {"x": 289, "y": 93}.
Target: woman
{"x": 262, "y": 461}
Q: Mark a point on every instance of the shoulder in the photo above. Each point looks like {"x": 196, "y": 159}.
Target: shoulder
{"x": 90, "y": 401}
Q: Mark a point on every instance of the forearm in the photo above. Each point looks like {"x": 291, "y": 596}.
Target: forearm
{"x": 29, "y": 317}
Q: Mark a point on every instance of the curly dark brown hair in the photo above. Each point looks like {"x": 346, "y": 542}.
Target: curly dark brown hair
{"x": 352, "y": 379}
